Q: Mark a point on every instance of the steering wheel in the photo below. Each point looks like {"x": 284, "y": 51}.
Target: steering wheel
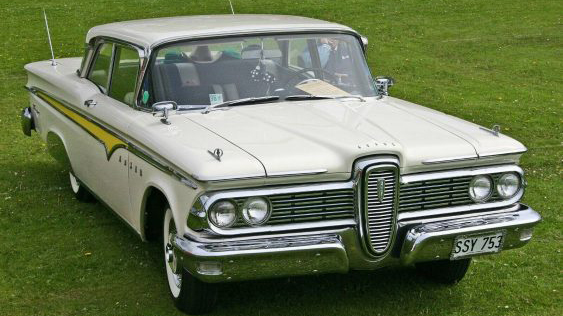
{"x": 289, "y": 81}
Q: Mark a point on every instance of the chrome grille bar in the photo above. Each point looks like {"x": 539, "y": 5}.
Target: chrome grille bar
{"x": 309, "y": 206}
{"x": 379, "y": 204}
{"x": 438, "y": 193}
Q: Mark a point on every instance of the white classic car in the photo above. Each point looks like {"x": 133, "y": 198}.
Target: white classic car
{"x": 260, "y": 146}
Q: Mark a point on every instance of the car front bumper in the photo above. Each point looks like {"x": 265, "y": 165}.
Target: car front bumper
{"x": 339, "y": 250}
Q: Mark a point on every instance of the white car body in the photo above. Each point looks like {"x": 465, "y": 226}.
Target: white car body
{"x": 122, "y": 153}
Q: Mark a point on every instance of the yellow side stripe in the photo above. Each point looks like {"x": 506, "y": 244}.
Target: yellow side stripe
{"x": 109, "y": 140}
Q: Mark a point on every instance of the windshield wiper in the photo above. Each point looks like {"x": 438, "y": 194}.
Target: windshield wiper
{"x": 322, "y": 97}
{"x": 243, "y": 101}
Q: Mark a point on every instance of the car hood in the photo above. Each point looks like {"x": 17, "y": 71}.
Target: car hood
{"x": 302, "y": 137}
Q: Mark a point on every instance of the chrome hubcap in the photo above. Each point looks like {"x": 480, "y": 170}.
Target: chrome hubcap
{"x": 172, "y": 266}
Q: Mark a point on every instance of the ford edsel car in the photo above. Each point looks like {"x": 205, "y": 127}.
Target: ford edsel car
{"x": 261, "y": 146}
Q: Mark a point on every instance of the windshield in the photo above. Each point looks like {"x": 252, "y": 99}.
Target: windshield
{"x": 197, "y": 74}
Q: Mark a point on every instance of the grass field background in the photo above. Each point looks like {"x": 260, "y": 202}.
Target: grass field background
{"x": 484, "y": 61}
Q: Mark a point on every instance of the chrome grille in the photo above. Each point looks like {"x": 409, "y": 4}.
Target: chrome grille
{"x": 309, "y": 206}
{"x": 439, "y": 193}
{"x": 380, "y": 213}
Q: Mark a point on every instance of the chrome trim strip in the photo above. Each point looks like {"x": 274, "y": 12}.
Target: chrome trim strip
{"x": 503, "y": 153}
{"x": 212, "y": 197}
{"x": 438, "y": 217}
{"x": 405, "y": 179}
{"x": 151, "y": 159}
{"x": 471, "y": 157}
{"x": 296, "y": 173}
{"x": 450, "y": 159}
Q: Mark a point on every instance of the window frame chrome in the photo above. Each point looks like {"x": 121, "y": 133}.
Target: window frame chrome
{"x": 94, "y": 45}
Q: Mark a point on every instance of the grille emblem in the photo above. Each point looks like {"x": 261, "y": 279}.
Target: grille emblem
{"x": 380, "y": 189}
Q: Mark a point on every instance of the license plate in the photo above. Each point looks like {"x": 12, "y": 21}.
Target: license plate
{"x": 465, "y": 246}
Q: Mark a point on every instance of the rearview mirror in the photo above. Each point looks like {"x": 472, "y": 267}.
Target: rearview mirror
{"x": 161, "y": 109}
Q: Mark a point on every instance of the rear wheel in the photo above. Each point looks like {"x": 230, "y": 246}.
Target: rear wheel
{"x": 445, "y": 271}
{"x": 189, "y": 294}
{"x": 80, "y": 192}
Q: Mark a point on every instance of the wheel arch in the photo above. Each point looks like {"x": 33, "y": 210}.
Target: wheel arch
{"x": 57, "y": 148}
{"x": 151, "y": 212}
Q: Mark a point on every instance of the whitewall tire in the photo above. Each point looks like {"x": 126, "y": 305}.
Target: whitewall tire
{"x": 80, "y": 192}
{"x": 189, "y": 294}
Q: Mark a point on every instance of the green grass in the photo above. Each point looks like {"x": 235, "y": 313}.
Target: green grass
{"x": 484, "y": 61}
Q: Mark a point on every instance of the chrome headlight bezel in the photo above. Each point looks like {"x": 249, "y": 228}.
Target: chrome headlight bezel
{"x": 472, "y": 185}
{"x": 502, "y": 179}
{"x": 212, "y": 213}
{"x": 244, "y": 211}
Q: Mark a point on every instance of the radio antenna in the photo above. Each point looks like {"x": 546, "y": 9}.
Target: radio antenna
{"x": 53, "y": 63}
{"x": 231, "y": 4}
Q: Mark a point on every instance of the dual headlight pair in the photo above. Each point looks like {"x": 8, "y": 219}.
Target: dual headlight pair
{"x": 481, "y": 187}
{"x": 255, "y": 211}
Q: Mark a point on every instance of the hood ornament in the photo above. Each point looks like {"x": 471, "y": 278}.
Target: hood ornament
{"x": 217, "y": 153}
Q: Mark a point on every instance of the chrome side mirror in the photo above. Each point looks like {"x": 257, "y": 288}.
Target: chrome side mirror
{"x": 364, "y": 43}
{"x": 161, "y": 109}
{"x": 382, "y": 85}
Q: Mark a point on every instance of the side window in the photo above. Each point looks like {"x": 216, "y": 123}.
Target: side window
{"x": 125, "y": 72}
{"x": 99, "y": 74}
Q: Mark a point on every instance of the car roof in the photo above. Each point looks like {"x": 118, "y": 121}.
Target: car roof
{"x": 151, "y": 32}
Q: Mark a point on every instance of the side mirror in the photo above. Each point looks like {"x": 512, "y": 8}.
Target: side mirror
{"x": 382, "y": 85}
{"x": 364, "y": 43}
{"x": 161, "y": 109}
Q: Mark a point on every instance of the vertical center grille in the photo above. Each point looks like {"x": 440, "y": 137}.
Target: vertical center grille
{"x": 380, "y": 187}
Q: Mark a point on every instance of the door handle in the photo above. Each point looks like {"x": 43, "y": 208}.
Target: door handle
{"x": 90, "y": 103}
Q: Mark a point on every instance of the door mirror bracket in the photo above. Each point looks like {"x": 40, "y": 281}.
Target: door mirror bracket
{"x": 161, "y": 109}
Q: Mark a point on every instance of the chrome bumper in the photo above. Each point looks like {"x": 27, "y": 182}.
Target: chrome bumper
{"x": 340, "y": 250}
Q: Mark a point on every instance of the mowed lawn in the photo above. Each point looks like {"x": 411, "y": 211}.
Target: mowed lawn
{"x": 485, "y": 61}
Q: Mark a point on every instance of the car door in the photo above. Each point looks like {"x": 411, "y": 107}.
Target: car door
{"x": 112, "y": 108}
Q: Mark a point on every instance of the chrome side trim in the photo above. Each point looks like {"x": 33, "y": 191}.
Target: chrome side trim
{"x": 131, "y": 145}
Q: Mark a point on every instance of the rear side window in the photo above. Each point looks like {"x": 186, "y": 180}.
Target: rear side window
{"x": 99, "y": 74}
{"x": 125, "y": 71}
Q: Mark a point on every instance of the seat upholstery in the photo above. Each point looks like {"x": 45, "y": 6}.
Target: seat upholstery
{"x": 191, "y": 83}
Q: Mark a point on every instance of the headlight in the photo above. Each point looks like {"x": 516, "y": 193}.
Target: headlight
{"x": 256, "y": 211}
{"x": 480, "y": 188}
{"x": 508, "y": 185}
{"x": 223, "y": 214}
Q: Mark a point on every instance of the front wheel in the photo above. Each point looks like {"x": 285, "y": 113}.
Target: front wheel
{"x": 189, "y": 294}
{"x": 445, "y": 271}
